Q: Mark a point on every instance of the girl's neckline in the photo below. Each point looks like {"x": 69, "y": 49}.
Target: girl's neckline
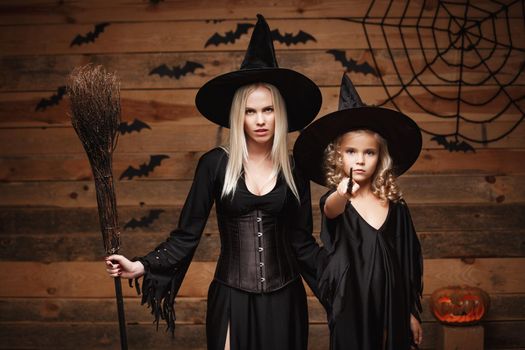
{"x": 366, "y": 222}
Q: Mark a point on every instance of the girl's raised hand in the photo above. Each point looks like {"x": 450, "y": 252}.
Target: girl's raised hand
{"x": 342, "y": 188}
{"x": 120, "y": 266}
{"x": 336, "y": 203}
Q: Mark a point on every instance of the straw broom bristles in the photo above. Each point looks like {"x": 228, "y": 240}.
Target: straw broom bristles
{"x": 95, "y": 107}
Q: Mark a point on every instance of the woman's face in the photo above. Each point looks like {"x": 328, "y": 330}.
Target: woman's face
{"x": 360, "y": 151}
{"x": 259, "y": 117}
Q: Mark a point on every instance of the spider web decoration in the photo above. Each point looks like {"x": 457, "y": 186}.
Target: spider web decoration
{"x": 464, "y": 45}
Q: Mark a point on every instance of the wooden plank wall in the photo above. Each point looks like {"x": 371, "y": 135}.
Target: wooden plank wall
{"x": 54, "y": 294}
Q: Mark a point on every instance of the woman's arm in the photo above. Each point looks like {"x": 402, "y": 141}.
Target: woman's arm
{"x": 183, "y": 241}
{"x": 310, "y": 256}
{"x": 164, "y": 267}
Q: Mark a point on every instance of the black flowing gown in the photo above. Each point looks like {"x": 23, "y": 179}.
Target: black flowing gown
{"x": 273, "y": 320}
{"x": 373, "y": 280}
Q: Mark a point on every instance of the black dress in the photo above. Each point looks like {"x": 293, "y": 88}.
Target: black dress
{"x": 274, "y": 318}
{"x": 373, "y": 280}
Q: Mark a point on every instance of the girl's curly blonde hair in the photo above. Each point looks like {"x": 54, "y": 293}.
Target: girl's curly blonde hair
{"x": 383, "y": 183}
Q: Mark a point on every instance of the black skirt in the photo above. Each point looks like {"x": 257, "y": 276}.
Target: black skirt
{"x": 270, "y": 321}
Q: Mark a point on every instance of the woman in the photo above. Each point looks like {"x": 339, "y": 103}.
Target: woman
{"x": 257, "y": 299}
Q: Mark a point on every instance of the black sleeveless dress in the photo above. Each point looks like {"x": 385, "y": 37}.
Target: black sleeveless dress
{"x": 373, "y": 280}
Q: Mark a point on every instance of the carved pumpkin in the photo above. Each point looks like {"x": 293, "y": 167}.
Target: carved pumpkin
{"x": 459, "y": 305}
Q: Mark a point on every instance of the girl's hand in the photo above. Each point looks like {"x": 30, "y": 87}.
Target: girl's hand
{"x": 336, "y": 203}
{"x": 343, "y": 186}
{"x": 417, "y": 331}
{"x": 120, "y": 266}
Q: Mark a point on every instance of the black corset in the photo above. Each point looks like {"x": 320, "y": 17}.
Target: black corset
{"x": 256, "y": 255}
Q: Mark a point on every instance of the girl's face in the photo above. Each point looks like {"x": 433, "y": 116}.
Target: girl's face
{"x": 360, "y": 151}
{"x": 259, "y": 118}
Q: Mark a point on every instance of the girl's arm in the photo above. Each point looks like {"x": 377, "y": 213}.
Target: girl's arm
{"x": 417, "y": 330}
{"x": 411, "y": 259}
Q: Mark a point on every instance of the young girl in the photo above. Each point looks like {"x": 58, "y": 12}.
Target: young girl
{"x": 372, "y": 282}
{"x": 257, "y": 299}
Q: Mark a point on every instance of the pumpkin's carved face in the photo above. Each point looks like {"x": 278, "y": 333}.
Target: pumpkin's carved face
{"x": 459, "y": 305}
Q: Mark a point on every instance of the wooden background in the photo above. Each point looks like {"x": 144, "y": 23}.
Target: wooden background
{"x": 468, "y": 208}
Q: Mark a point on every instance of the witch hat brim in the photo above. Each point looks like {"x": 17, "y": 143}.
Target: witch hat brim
{"x": 214, "y": 98}
{"x": 402, "y": 134}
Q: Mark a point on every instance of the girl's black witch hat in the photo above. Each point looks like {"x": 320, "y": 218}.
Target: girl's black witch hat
{"x": 301, "y": 95}
{"x": 401, "y": 133}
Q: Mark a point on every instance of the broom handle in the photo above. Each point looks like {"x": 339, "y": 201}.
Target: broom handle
{"x": 121, "y": 318}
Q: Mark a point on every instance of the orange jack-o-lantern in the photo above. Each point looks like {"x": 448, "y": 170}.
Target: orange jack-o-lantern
{"x": 459, "y": 305}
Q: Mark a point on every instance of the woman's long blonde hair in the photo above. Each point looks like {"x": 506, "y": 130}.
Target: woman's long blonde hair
{"x": 237, "y": 149}
{"x": 383, "y": 182}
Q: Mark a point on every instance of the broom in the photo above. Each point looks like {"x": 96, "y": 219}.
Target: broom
{"x": 95, "y": 107}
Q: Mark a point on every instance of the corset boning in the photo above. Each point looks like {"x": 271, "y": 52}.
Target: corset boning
{"x": 256, "y": 255}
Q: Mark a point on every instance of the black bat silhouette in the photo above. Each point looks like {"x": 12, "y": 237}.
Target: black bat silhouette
{"x": 145, "y": 168}
{"x": 290, "y": 39}
{"x": 90, "y": 36}
{"x": 176, "y": 72}
{"x": 230, "y": 36}
{"x": 136, "y": 125}
{"x": 351, "y": 65}
{"x": 53, "y": 100}
{"x": 453, "y": 146}
{"x": 144, "y": 221}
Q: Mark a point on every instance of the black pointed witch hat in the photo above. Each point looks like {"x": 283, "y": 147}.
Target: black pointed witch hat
{"x": 401, "y": 133}
{"x": 301, "y": 95}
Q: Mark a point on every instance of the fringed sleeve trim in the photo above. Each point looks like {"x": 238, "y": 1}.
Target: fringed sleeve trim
{"x": 159, "y": 289}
